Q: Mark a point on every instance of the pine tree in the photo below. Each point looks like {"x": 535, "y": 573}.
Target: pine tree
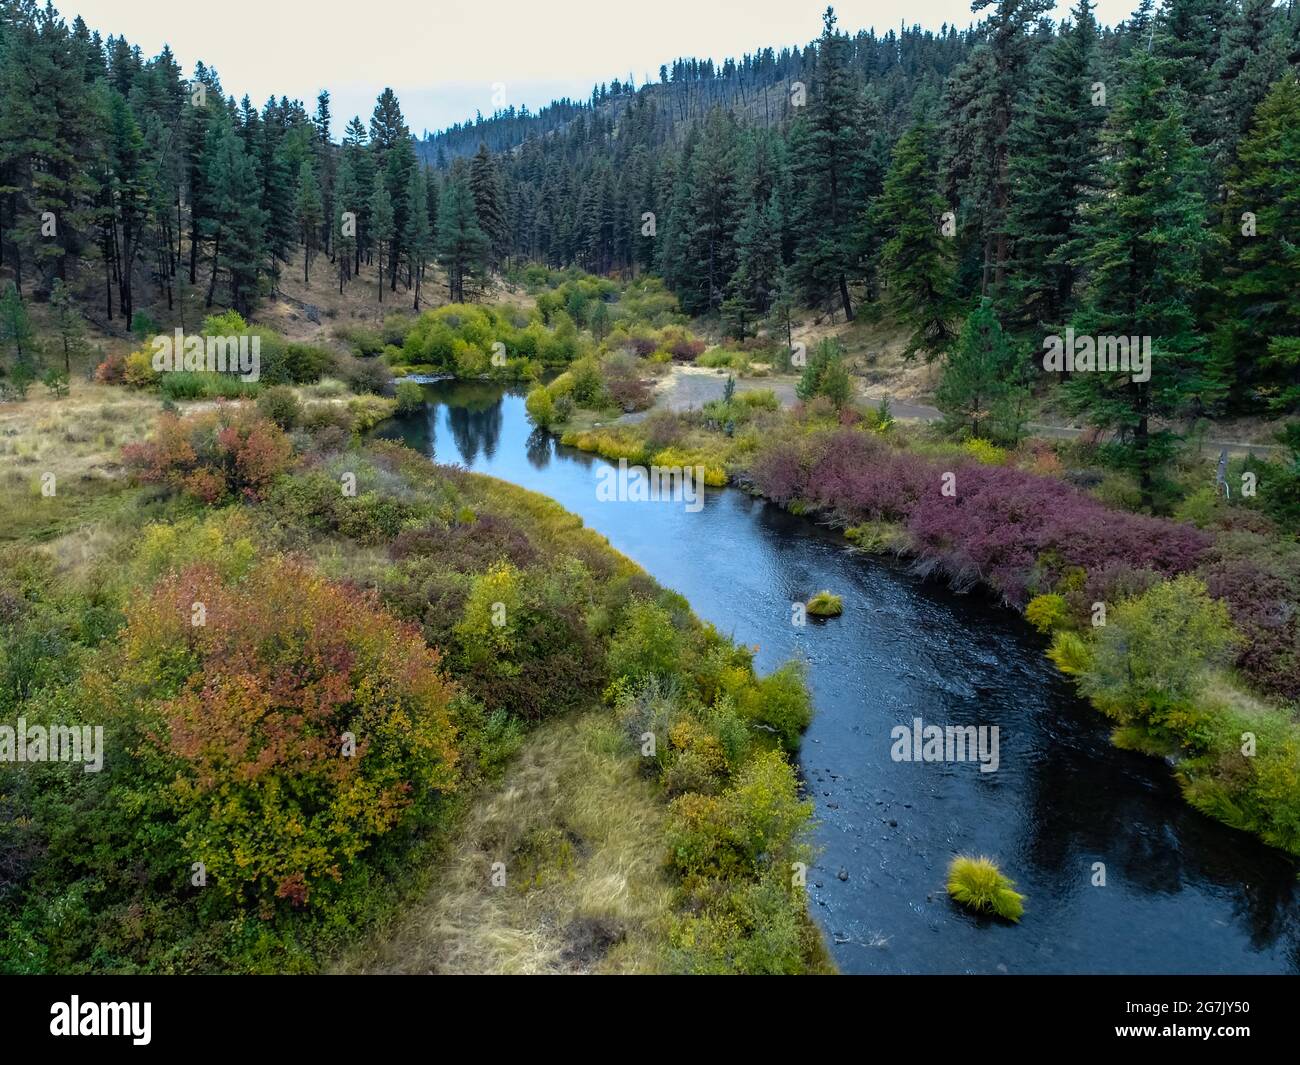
{"x": 1053, "y": 170}
{"x": 981, "y": 376}
{"x": 462, "y": 247}
{"x": 489, "y": 206}
{"x": 418, "y": 237}
{"x": 238, "y": 224}
{"x": 1008, "y": 29}
{"x": 1188, "y": 34}
{"x": 69, "y": 326}
{"x": 343, "y": 221}
{"x": 355, "y": 140}
{"x": 16, "y": 324}
{"x": 1252, "y": 56}
{"x": 674, "y": 226}
{"x": 398, "y": 167}
{"x": 1262, "y": 297}
{"x": 382, "y": 227}
{"x": 280, "y": 161}
{"x": 130, "y": 194}
{"x": 758, "y": 266}
{"x": 781, "y": 313}
{"x": 1147, "y": 242}
{"x": 916, "y": 258}
{"x": 326, "y": 161}
{"x": 309, "y": 213}
{"x": 710, "y": 216}
{"x": 824, "y": 162}
{"x": 48, "y": 123}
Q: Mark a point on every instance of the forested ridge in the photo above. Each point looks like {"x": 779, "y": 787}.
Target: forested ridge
{"x": 903, "y": 174}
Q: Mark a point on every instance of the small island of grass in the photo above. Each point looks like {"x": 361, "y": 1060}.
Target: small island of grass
{"x": 826, "y": 604}
{"x": 979, "y": 885}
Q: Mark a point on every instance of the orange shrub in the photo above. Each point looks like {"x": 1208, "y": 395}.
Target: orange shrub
{"x": 294, "y": 727}
{"x": 112, "y": 371}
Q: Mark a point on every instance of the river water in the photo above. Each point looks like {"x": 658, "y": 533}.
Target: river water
{"x": 1181, "y": 893}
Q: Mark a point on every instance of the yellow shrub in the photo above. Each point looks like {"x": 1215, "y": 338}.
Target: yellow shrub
{"x": 1046, "y": 612}
{"x": 985, "y": 452}
{"x": 1070, "y": 652}
{"x": 139, "y": 372}
{"x": 715, "y": 475}
{"x": 369, "y": 411}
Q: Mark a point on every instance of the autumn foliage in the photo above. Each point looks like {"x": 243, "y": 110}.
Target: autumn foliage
{"x": 230, "y": 451}
{"x": 999, "y": 525}
{"x": 298, "y": 723}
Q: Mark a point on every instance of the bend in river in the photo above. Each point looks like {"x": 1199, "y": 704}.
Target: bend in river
{"x": 1182, "y": 893}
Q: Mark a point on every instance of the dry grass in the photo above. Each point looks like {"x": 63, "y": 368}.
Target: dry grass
{"x": 579, "y": 831}
{"x": 874, "y": 353}
{"x": 312, "y": 312}
{"x": 77, "y": 439}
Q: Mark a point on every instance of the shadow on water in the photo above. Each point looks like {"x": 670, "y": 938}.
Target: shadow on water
{"x": 1181, "y": 893}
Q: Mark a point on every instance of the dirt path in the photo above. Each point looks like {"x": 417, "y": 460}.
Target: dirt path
{"x": 689, "y": 387}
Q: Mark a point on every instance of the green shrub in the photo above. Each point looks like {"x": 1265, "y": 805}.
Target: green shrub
{"x": 540, "y": 407}
{"x": 645, "y": 645}
{"x": 877, "y": 537}
{"x": 1156, "y": 648}
{"x": 364, "y": 340}
{"x": 826, "y": 375}
{"x": 781, "y": 704}
{"x": 410, "y": 397}
{"x": 588, "y": 384}
{"x": 143, "y": 325}
{"x": 759, "y": 399}
{"x": 985, "y": 452}
{"x": 307, "y": 363}
{"x": 280, "y": 405}
{"x": 185, "y": 384}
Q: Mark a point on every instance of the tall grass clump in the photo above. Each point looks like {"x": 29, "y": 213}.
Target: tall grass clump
{"x": 978, "y": 884}
{"x": 826, "y": 604}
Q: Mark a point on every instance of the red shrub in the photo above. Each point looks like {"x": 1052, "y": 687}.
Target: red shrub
{"x": 229, "y": 451}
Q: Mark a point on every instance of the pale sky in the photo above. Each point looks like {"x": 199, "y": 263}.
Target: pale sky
{"x": 442, "y": 57}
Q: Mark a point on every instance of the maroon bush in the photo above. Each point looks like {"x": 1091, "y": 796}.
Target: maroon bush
{"x": 861, "y": 478}
{"x": 1108, "y": 583}
{"x": 1006, "y": 527}
{"x": 778, "y": 472}
{"x": 1259, "y": 580}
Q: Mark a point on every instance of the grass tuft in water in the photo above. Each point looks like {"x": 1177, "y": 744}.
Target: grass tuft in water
{"x": 979, "y": 885}
{"x": 826, "y": 604}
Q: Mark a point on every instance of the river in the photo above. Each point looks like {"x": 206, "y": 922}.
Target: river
{"x": 1181, "y": 893}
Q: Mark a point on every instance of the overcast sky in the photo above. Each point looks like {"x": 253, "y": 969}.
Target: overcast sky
{"x": 442, "y": 57}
